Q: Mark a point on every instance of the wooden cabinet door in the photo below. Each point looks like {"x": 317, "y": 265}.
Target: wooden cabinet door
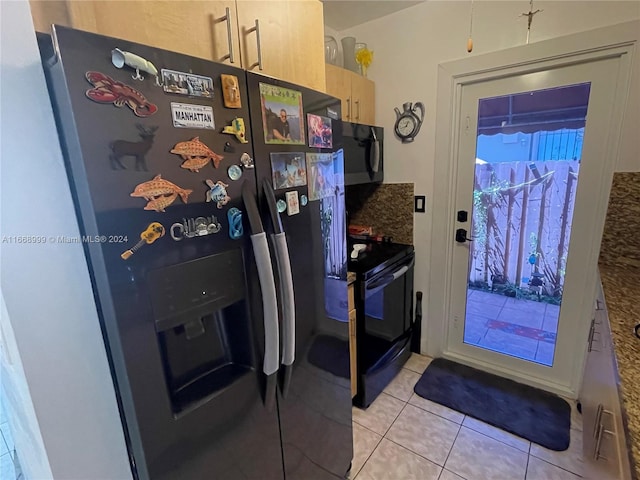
{"x": 363, "y": 97}
{"x": 291, "y": 40}
{"x": 194, "y": 28}
{"x": 339, "y": 86}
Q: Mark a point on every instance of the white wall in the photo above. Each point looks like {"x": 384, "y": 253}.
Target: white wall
{"x": 16, "y": 403}
{"x": 409, "y": 45}
{"x": 46, "y": 287}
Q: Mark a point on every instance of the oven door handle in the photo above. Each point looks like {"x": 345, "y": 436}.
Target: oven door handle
{"x": 387, "y": 279}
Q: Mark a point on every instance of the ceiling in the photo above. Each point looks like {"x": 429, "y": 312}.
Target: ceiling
{"x": 341, "y": 15}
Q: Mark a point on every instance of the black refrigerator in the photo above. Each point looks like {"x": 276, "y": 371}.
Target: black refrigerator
{"x": 211, "y": 203}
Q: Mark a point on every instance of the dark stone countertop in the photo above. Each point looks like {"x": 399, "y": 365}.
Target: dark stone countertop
{"x": 621, "y": 284}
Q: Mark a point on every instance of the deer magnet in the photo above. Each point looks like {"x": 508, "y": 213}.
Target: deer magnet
{"x": 124, "y": 148}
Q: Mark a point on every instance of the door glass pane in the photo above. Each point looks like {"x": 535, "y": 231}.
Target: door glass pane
{"x": 527, "y": 166}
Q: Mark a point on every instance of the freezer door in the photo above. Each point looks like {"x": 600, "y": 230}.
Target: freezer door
{"x": 314, "y": 399}
{"x": 175, "y": 284}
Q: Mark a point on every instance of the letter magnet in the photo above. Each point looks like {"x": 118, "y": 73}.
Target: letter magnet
{"x": 153, "y": 232}
{"x": 230, "y": 91}
{"x": 237, "y": 128}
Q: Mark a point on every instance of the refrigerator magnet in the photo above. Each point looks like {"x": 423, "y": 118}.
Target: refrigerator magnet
{"x": 246, "y": 160}
{"x": 321, "y": 175}
{"x": 234, "y": 215}
{"x": 196, "y": 155}
{"x": 282, "y": 115}
{"x": 288, "y": 169}
{"x": 190, "y": 115}
{"x": 195, "y": 227}
{"x": 237, "y": 128}
{"x": 183, "y": 83}
{"x": 120, "y": 58}
{"x": 160, "y": 193}
{"x": 217, "y": 192}
{"x": 230, "y": 91}
{"x": 293, "y": 205}
{"x": 153, "y": 232}
{"x": 320, "y": 133}
{"x": 234, "y": 172}
{"x": 304, "y": 200}
{"x": 107, "y": 90}
{"x": 138, "y": 150}
{"x": 281, "y": 205}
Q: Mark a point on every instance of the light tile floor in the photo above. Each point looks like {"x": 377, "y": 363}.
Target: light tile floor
{"x": 403, "y": 436}
{"x": 511, "y": 326}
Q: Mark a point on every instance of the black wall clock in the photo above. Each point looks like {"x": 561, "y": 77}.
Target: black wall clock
{"x": 408, "y": 122}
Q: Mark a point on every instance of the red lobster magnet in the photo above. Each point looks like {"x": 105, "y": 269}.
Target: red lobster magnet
{"x": 107, "y": 90}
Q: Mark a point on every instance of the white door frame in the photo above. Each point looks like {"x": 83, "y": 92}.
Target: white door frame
{"x": 618, "y": 41}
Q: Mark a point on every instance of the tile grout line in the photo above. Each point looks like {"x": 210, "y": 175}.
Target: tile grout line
{"x": 557, "y": 466}
{"x": 369, "y": 456}
{"x": 451, "y": 449}
{"x": 504, "y": 443}
{"x": 383, "y": 437}
{"x": 437, "y": 414}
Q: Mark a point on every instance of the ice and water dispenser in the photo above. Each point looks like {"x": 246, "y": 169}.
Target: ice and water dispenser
{"x": 203, "y": 328}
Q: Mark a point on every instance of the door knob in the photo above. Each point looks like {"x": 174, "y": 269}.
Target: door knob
{"x": 461, "y": 236}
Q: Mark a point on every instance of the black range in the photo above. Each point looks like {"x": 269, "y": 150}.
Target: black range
{"x": 384, "y": 315}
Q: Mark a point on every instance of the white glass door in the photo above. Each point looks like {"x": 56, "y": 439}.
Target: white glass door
{"x": 528, "y": 156}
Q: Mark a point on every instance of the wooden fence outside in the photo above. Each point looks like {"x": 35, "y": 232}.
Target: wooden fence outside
{"x": 521, "y": 222}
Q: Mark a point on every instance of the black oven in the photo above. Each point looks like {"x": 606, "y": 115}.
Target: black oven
{"x": 363, "y": 153}
{"x": 384, "y": 293}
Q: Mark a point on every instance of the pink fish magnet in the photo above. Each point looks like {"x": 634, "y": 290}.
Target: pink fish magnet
{"x": 196, "y": 154}
{"x": 107, "y": 90}
{"x": 160, "y": 193}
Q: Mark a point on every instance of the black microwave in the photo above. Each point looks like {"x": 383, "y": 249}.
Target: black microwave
{"x": 363, "y": 153}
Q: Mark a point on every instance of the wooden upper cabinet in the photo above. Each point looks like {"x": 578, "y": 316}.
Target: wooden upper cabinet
{"x": 363, "y": 97}
{"x": 194, "y": 28}
{"x": 291, "y": 31}
{"x": 356, "y": 92}
{"x": 291, "y": 40}
{"x": 339, "y": 86}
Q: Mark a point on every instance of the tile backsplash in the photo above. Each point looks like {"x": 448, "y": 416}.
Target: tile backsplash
{"x": 621, "y": 237}
{"x": 387, "y": 207}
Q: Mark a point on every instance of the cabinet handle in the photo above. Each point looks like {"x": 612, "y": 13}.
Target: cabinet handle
{"x": 229, "y": 55}
{"x": 592, "y": 330}
{"x": 348, "y": 108}
{"x": 357, "y": 102}
{"x": 257, "y": 30}
{"x": 601, "y": 433}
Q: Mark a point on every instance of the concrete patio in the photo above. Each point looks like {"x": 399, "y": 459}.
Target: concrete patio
{"x": 517, "y": 327}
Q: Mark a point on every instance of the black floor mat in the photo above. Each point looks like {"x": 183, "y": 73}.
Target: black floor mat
{"x": 538, "y": 416}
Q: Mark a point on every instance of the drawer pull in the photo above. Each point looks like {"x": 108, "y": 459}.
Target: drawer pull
{"x": 601, "y": 433}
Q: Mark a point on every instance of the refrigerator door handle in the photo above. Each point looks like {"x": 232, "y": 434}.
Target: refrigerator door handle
{"x": 288, "y": 309}
{"x": 270, "y": 313}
